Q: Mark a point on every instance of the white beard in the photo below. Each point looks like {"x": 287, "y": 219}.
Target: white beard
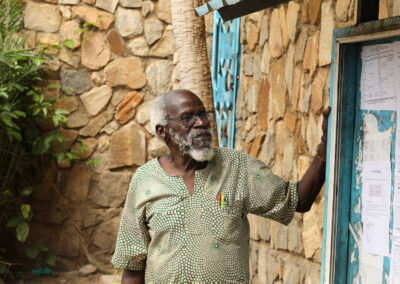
{"x": 185, "y": 144}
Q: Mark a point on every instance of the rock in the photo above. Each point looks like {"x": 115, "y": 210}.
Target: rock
{"x": 125, "y": 72}
{"x": 263, "y": 104}
{"x": 289, "y": 65}
{"x": 87, "y": 270}
{"x": 278, "y": 89}
{"x": 396, "y": 8}
{"x": 74, "y": 82}
{"x": 297, "y": 78}
{"x": 68, "y": 243}
{"x": 166, "y": 45}
{"x": 304, "y": 12}
{"x": 314, "y": 7}
{"x": 290, "y": 121}
{"x": 305, "y": 99}
{"x": 294, "y": 236}
{"x": 310, "y": 61}
{"x": 98, "y": 78}
{"x": 383, "y": 10}
{"x": 100, "y": 19}
{"x": 153, "y": 29}
{"x": 94, "y": 126}
{"x": 159, "y": 76}
{"x": 282, "y": 137}
{"x": 108, "y": 279}
{"x": 252, "y": 32}
{"x": 69, "y": 57}
{"x": 93, "y": 216}
{"x": 128, "y": 22}
{"x": 257, "y": 68}
{"x": 128, "y": 147}
{"x": 147, "y": 8}
{"x": 268, "y": 149}
{"x": 292, "y": 274}
{"x": 288, "y": 158}
{"x": 292, "y": 15}
{"x": 90, "y": 2}
{"x": 50, "y": 91}
{"x": 284, "y": 29}
{"x": 325, "y": 40}
{"x": 163, "y": 10}
{"x": 157, "y": 147}
{"x": 311, "y": 240}
{"x": 317, "y": 91}
{"x": 264, "y": 31}
{"x": 77, "y": 185}
{"x": 68, "y": 2}
{"x": 69, "y": 104}
{"x": 95, "y": 52}
{"x": 131, "y": 3}
{"x": 48, "y": 40}
{"x": 96, "y": 99}
{"x": 108, "y": 5}
{"x": 112, "y": 189}
{"x": 300, "y": 46}
{"x": 275, "y": 35}
{"x": 138, "y": 46}
{"x": 342, "y": 9}
{"x": 143, "y": 113}
{"x": 119, "y": 95}
{"x": 68, "y": 31}
{"x": 42, "y": 17}
{"x": 77, "y": 119}
{"x": 278, "y": 236}
{"x": 248, "y": 65}
{"x": 252, "y": 99}
{"x": 265, "y": 59}
{"x": 65, "y": 12}
{"x": 126, "y": 108}
{"x": 104, "y": 235}
{"x": 85, "y": 148}
{"x": 110, "y": 128}
{"x": 116, "y": 43}
{"x": 255, "y": 146}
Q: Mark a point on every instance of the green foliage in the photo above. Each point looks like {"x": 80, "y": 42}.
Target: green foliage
{"x": 28, "y": 129}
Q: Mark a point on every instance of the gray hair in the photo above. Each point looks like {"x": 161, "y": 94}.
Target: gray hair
{"x": 158, "y": 113}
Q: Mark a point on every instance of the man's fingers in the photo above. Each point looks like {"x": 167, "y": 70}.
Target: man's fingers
{"x": 326, "y": 112}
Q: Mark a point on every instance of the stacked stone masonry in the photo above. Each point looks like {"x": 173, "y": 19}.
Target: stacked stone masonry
{"x": 117, "y": 55}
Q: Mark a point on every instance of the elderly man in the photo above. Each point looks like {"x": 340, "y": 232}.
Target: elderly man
{"x": 184, "y": 219}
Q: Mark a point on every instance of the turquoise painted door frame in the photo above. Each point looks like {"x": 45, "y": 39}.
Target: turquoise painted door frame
{"x": 341, "y": 190}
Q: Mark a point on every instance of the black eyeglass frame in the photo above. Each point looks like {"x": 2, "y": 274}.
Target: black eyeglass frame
{"x": 191, "y": 118}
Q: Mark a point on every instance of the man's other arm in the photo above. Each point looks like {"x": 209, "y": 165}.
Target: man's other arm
{"x": 132, "y": 277}
{"x": 312, "y": 181}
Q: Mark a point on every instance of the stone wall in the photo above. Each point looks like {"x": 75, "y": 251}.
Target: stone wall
{"x": 115, "y": 56}
{"x": 284, "y": 86}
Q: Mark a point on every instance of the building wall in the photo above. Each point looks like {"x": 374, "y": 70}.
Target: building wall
{"x": 121, "y": 55}
{"x": 125, "y": 55}
{"x": 284, "y": 86}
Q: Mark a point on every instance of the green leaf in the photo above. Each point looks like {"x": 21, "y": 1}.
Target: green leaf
{"x": 31, "y": 251}
{"x": 3, "y": 268}
{"x": 13, "y": 222}
{"x": 42, "y": 246}
{"x": 22, "y": 232}
{"x": 27, "y": 191}
{"x": 50, "y": 259}
{"x": 69, "y": 43}
{"x": 25, "y": 209}
{"x": 53, "y": 86}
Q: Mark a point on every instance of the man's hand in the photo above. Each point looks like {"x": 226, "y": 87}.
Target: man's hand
{"x": 312, "y": 181}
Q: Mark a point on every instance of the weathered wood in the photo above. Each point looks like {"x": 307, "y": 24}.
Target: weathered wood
{"x": 246, "y": 7}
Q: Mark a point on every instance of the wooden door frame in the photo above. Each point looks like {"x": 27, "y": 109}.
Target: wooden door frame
{"x": 336, "y": 216}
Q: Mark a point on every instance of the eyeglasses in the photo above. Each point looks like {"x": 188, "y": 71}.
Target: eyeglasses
{"x": 190, "y": 118}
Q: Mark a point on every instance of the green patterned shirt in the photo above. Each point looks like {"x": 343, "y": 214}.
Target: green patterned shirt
{"x": 203, "y": 238}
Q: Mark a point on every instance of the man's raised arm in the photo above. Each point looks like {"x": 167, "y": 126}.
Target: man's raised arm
{"x": 132, "y": 277}
{"x": 312, "y": 181}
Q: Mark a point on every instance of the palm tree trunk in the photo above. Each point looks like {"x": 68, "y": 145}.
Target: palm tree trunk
{"x": 190, "y": 38}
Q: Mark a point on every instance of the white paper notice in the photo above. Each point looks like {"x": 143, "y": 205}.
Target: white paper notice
{"x": 379, "y": 82}
{"x": 376, "y": 191}
{"x": 396, "y": 207}
{"x": 376, "y": 143}
{"x": 395, "y": 262}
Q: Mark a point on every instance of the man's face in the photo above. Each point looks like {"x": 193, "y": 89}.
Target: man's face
{"x": 188, "y": 126}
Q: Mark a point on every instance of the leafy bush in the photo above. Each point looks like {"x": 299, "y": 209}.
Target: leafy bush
{"x": 24, "y": 113}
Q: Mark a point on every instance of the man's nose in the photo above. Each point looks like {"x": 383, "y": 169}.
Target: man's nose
{"x": 200, "y": 122}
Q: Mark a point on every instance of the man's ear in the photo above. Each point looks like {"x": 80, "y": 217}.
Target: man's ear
{"x": 161, "y": 132}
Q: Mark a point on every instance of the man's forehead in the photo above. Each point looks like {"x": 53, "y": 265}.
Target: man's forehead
{"x": 183, "y": 101}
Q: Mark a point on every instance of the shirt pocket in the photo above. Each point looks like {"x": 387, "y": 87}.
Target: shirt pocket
{"x": 224, "y": 224}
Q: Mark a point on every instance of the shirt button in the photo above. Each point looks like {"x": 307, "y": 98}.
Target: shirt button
{"x": 213, "y": 177}
{"x": 258, "y": 176}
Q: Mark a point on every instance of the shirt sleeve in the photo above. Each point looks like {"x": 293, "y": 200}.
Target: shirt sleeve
{"x": 269, "y": 195}
{"x": 133, "y": 238}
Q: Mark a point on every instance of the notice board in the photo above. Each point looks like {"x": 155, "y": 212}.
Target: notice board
{"x": 361, "y": 242}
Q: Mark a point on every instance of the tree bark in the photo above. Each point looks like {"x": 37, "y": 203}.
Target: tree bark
{"x": 190, "y": 38}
